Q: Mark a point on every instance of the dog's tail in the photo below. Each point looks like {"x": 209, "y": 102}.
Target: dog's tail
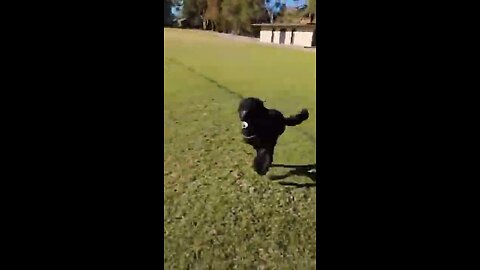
{"x": 297, "y": 119}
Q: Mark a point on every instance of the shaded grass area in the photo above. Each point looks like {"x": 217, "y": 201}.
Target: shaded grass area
{"x": 218, "y": 214}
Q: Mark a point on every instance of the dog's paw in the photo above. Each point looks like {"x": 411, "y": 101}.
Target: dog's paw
{"x": 262, "y": 172}
{"x": 260, "y": 167}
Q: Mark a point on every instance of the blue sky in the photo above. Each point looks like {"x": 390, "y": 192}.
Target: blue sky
{"x": 293, "y": 3}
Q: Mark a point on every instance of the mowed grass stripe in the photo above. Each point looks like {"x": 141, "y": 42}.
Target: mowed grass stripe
{"x": 283, "y": 77}
{"x": 230, "y": 91}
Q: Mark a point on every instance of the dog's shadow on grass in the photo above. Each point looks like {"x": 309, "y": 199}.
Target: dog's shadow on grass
{"x": 309, "y": 171}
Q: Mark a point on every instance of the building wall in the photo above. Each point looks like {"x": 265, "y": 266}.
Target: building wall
{"x": 288, "y": 36}
{"x": 302, "y": 37}
{"x": 265, "y": 35}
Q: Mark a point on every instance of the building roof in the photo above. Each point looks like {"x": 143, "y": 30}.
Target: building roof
{"x": 308, "y": 25}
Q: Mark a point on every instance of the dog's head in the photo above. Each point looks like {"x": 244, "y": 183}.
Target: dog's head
{"x": 250, "y": 107}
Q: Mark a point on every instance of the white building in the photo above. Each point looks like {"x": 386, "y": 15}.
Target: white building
{"x": 290, "y": 34}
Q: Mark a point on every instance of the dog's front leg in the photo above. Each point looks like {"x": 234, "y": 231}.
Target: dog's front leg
{"x": 263, "y": 160}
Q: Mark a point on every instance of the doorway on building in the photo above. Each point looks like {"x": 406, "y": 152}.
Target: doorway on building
{"x": 314, "y": 38}
{"x": 283, "y": 34}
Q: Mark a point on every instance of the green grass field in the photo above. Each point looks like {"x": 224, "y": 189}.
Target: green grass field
{"x": 218, "y": 214}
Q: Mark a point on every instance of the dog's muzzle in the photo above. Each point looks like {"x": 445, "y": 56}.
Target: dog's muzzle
{"x": 249, "y": 137}
{"x": 244, "y": 130}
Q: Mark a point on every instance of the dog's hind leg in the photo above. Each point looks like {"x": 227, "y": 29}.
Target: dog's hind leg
{"x": 263, "y": 160}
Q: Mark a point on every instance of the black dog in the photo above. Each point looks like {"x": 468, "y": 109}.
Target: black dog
{"x": 261, "y": 128}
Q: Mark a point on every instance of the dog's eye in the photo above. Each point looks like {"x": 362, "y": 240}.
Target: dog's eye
{"x": 244, "y": 124}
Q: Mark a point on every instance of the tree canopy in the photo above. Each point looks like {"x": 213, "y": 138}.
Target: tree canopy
{"x": 312, "y": 6}
{"x": 232, "y": 16}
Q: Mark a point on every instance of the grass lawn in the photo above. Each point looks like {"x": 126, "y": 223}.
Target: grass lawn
{"x": 218, "y": 214}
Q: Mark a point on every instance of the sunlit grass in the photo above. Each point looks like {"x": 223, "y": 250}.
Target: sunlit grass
{"x": 218, "y": 214}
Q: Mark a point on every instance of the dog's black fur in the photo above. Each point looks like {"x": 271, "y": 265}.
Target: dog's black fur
{"x": 261, "y": 128}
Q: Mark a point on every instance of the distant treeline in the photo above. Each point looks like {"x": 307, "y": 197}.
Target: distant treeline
{"x": 229, "y": 16}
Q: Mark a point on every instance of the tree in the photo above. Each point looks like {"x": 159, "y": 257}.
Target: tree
{"x": 274, "y": 7}
{"x": 234, "y": 16}
{"x": 312, "y": 9}
{"x": 312, "y": 6}
{"x": 167, "y": 12}
{"x": 193, "y": 11}
{"x": 238, "y": 15}
{"x": 212, "y": 14}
